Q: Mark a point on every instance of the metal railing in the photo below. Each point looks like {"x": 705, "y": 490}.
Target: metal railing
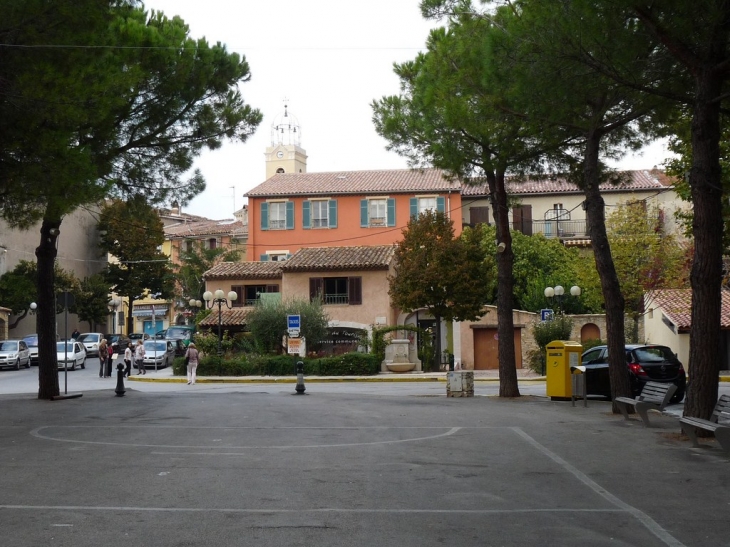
{"x": 561, "y": 228}
{"x": 336, "y": 298}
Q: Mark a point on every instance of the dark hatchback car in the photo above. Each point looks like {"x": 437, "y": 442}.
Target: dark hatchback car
{"x": 646, "y": 362}
{"x": 118, "y": 342}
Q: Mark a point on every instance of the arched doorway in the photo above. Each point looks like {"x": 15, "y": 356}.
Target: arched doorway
{"x": 590, "y": 331}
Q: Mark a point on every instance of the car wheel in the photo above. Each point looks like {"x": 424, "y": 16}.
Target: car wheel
{"x": 677, "y": 397}
{"x": 17, "y": 364}
{"x": 83, "y": 363}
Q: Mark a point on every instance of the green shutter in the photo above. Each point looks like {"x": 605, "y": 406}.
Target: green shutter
{"x": 264, "y": 258}
{"x": 391, "y": 211}
{"x": 363, "y": 213}
{"x": 333, "y": 213}
{"x": 414, "y": 207}
{"x": 264, "y": 216}
{"x": 440, "y": 204}
{"x": 306, "y": 223}
{"x": 289, "y": 215}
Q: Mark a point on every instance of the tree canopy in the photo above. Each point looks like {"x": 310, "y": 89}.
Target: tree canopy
{"x": 103, "y": 99}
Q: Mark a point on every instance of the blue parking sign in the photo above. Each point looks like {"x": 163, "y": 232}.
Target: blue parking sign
{"x": 546, "y": 315}
{"x": 293, "y": 321}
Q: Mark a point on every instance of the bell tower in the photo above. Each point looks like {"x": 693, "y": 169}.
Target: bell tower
{"x": 285, "y": 155}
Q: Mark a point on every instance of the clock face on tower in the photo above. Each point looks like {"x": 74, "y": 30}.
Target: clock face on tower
{"x": 280, "y": 154}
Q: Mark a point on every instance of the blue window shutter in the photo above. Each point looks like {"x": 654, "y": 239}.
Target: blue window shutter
{"x": 363, "y": 213}
{"x": 414, "y": 207}
{"x": 391, "y": 211}
{"x": 289, "y": 215}
{"x": 333, "y": 213}
{"x": 440, "y": 204}
{"x": 306, "y": 224}
{"x": 264, "y": 216}
{"x": 264, "y": 258}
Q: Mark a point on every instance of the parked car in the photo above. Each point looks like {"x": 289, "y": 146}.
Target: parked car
{"x": 181, "y": 332}
{"x": 71, "y": 354}
{"x": 14, "y": 353}
{"x": 645, "y": 361}
{"x": 118, "y": 342}
{"x": 178, "y": 347}
{"x": 161, "y": 334}
{"x": 32, "y": 341}
{"x": 91, "y": 341}
{"x": 158, "y": 353}
{"x": 135, "y": 336}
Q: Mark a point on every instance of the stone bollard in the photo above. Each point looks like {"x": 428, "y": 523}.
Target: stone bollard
{"x": 120, "y": 380}
{"x": 300, "y": 378}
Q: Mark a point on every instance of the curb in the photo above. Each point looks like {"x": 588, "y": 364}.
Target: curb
{"x": 312, "y": 379}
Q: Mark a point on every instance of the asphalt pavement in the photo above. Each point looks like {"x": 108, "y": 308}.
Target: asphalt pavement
{"x": 346, "y": 464}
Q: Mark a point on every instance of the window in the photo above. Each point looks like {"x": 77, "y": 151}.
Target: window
{"x": 188, "y": 246}
{"x": 277, "y": 215}
{"x": 248, "y": 295}
{"x": 320, "y": 213}
{"x": 377, "y": 212}
{"x": 212, "y": 243}
{"x": 320, "y": 219}
{"x": 522, "y": 219}
{"x": 426, "y": 204}
{"x": 336, "y": 290}
{"x": 429, "y": 203}
{"x": 275, "y": 256}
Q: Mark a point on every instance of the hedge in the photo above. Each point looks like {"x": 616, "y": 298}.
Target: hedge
{"x": 348, "y": 364}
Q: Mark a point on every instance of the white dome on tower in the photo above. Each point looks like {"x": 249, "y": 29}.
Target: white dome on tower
{"x": 285, "y": 129}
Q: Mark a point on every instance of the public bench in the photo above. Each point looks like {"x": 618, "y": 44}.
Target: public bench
{"x": 721, "y": 430}
{"x": 654, "y": 395}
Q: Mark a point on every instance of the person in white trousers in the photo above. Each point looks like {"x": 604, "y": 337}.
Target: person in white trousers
{"x": 191, "y": 358}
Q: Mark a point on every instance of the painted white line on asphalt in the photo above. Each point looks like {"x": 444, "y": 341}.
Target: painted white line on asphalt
{"x": 645, "y": 519}
{"x": 36, "y": 433}
{"x": 305, "y": 510}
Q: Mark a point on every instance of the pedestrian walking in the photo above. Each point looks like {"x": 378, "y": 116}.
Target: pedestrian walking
{"x": 128, "y": 360}
{"x": 191, "y": 360}
{"x": 75, "y": 334}
{"x": 139, "y": 357}
{"x": 103, "y": 353}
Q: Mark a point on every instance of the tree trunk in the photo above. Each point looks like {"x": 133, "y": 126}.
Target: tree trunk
{"x": 610, "y": 287}
{"x": 505, "y": 286}
{"x": 706, "y": 275}
{"x": 46, "y": 312}
{"x": 437, "y": 348}
{"x": 130, "y": 317}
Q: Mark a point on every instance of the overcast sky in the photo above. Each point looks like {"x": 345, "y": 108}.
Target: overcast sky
{"x": 329, "y": 59}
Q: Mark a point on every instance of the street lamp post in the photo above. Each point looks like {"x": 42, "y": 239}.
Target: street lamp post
{"x": 219, "y": 298}
{"x": 558, "y": 291}
{"x": 114, "y": 304}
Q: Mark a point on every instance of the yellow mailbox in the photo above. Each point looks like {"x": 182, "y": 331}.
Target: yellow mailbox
{"x": 561, "y": 355}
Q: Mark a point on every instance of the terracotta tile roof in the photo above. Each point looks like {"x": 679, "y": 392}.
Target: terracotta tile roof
{"x": 229, "y": 318}
{"x": 310, "y": 259}
{"x": 354, "y": 182}
{"x": 636, "y": 181}
{"x": 676, "y": 304}
{"x": 234, "y": 228}
{"x": 244, "y": 270}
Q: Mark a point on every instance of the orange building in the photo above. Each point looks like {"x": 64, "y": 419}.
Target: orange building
{"x": 347, "y": 208}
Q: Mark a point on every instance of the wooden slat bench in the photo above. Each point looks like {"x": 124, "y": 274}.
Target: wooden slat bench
{"x": 721, "y": 430}
{"x": 654, "y": 395}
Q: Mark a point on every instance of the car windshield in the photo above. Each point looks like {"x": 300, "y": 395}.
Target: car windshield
{"x": 88, "y": 338}
{"x": 183, "y": 334}
{"x": 8, "y": 346}
{"x": 136, "y": 336}
{"x": 61, "y": 347}
{"x": 31, "y": 340}
{"x": 653, "y": 355}
{"x": 151, "y": 345}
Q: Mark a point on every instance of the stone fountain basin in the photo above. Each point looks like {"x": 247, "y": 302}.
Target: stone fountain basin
{"x": 400, "y": 367}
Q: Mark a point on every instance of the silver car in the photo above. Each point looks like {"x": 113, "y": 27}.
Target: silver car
{"x": 70, "y": 354}
{"x": 14, "y": 353}
{"x": 158, "y": 353}
{"x": 91, "y": 341}
{"x": 32, "y": 341}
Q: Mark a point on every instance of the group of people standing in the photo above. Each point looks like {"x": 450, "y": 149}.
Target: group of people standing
{"x": 106, "y": 358}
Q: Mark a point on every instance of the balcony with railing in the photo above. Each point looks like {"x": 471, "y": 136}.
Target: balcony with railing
{"x": 563, "y": 229}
